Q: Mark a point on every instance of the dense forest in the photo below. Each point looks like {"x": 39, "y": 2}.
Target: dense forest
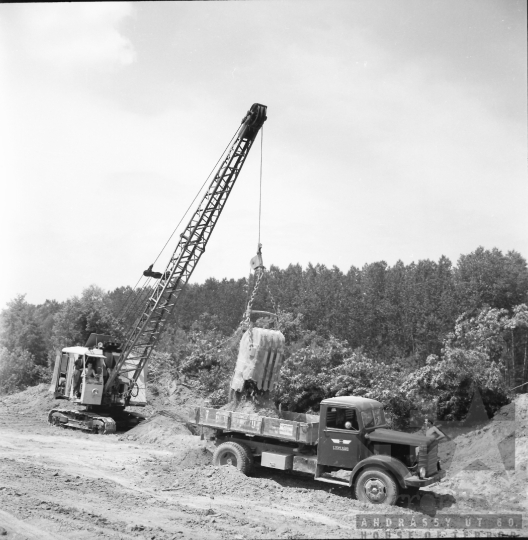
{"x": 419, "y": 336}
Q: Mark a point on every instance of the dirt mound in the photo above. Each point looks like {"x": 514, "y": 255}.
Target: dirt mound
{"x": 494, "y": 444}
{"x": 492, "y": 460}
{"x": 194, "y": 457}
{"x": 163, "y": 428}
{"x": 205, "y": 479}
{"x": 169, "y": 431}
{"x": 173, "y": 395}
{"x": 215, "y": 480}
{"x": 35, "y": 401}
{"x": 259, "y": 404}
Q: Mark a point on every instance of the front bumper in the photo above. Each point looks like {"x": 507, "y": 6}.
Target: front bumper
{"x": 416, "y": 481}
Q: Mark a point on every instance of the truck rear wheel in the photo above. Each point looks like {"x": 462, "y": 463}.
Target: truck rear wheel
{"x": 235, "y": 454}
{"x": 376, "y": 486}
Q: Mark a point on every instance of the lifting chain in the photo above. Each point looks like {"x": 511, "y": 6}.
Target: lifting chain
{"x": 247, "y": 316}
{"x": 245, "y": 323}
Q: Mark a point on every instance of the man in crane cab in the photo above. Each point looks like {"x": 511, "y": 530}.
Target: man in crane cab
{"x": 90, "y": 373}
{"x": 79, "y": 365}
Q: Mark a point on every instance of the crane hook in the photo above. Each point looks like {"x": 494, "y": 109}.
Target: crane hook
{"x": 257, "y": 262}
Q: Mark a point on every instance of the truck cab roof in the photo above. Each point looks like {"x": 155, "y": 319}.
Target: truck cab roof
{"x": 359, "y": 403}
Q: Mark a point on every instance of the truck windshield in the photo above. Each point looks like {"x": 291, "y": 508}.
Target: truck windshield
{"x": 373, "y": 417}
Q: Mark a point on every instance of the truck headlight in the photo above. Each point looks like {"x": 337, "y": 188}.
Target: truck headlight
{"x": 422, "y": 472}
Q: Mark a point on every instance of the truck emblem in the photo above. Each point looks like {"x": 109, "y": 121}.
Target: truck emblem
{"x": 339, "y": 441}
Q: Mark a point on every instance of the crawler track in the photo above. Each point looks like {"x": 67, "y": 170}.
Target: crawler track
{"x": 84, "y": 420}
{"x": 102, "y": 422}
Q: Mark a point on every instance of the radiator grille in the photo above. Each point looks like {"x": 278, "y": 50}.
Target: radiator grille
{"x": 428, "y": 458}
{"x": 432, "y": 459}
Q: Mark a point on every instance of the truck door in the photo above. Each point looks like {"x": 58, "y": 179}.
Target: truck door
{"x": 338, "y": 437}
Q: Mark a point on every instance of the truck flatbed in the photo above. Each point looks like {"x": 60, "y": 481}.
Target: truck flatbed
{"x": 296, "y": 427}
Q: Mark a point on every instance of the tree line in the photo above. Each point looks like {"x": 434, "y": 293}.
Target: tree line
{"x": 378, "y": 331}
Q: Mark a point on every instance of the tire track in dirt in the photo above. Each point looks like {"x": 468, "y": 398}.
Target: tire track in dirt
{"x": 77, "y": 485}
{"x": 71, "y": 490}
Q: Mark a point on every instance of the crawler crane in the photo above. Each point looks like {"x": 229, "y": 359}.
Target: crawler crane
{"x": 117, "y": 378}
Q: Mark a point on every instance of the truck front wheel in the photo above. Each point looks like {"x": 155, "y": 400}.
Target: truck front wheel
{"x": 376, "y": 486}
{"x": 235, "y": 454}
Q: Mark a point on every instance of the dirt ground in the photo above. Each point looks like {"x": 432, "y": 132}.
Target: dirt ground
{"x": 157, "y": 482}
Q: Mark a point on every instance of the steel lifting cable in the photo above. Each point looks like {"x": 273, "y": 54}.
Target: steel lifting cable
{"x": 251, "y": 295}
{"x": 128, "y": 305}
{"x": 246, "y": 321}
{"x": 260, "y": 186}
{"x": 260, "y": 271}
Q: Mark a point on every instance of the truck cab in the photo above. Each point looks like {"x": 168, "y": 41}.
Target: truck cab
{"x": 376, "y": 461}
{"x": 344, "y": 422}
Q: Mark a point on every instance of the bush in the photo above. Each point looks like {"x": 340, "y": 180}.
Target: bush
{"x": 449, "y": 384}
{"x": 306, "y": 375}
{"x": 18, "y": 371}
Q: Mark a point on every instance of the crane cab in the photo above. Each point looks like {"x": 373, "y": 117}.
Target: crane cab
{"x": 72, "y": 378}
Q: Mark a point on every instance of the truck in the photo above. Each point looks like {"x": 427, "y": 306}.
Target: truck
{"x": 349, "y": 444}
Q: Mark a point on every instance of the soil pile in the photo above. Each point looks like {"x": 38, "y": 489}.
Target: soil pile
{"x": 491, "y": 461}
{"x": 211, "y": 480}
{"x": 495, "y": 445}
{"x": 171, "y": 394}
{"x": 193, "y": 457}
{"x": 35, "y": 401}
{"x": 260, "y": 404}
{"x": 165, "y": 427}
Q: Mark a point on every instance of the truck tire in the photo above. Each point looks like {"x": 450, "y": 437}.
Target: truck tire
{"x": 235, "y": 454}
{"x": 376, "y": 486}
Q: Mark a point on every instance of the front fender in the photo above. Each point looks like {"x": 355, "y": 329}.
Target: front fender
{"x": 395, "y": 466}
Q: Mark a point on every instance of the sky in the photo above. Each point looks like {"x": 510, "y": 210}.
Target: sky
{"x": 396, "y": 131}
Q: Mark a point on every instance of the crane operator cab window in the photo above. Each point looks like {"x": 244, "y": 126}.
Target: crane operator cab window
{"x": 342, "y": 418}
{"x": 92, "y": 385}
{"x": 94, "y": 370}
